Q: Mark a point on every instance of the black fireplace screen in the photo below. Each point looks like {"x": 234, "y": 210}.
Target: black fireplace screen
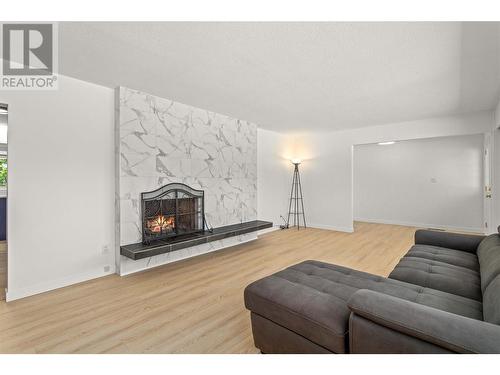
{"x": 172, "y": 210}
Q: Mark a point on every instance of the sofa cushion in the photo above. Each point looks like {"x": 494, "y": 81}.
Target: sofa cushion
{"x": 491, "y": 301}
{"x": 488, "y": 253}
{"x": 445, "y": 255}
{"x": 438, "y": 275}
{"x": 310, "y": 299}
{"x": 456, "y": 241}
{"x": 489, "y": 241}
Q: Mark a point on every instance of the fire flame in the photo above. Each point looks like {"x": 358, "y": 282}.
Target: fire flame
{"x": 160, "y": 224}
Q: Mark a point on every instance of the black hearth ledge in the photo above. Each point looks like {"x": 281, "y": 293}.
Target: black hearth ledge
{"x": 138, "y": 251}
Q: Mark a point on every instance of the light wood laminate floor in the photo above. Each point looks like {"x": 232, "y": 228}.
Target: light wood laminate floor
{"x": 192, "y": 306}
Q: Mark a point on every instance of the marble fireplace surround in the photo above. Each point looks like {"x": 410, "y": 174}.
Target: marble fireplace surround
{"x": 159, "y": 141}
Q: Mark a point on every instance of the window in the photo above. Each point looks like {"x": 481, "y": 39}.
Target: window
{"x": 3, "y": 170}
{"x": 3, "y": 174}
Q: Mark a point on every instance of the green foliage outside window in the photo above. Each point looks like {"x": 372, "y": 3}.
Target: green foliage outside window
{"x": 3, "y": 171}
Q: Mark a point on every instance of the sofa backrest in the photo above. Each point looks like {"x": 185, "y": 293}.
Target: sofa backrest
{"x": 488, "y": 253}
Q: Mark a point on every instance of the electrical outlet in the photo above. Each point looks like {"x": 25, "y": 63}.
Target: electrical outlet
{"x": 106, "y": 268}
{"x": 105, "y": 249}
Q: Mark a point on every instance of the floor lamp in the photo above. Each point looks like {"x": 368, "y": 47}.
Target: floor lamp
{"x": 296, "y": 205}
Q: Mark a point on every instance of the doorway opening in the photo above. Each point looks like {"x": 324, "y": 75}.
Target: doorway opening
{"x": 436, "y": 183}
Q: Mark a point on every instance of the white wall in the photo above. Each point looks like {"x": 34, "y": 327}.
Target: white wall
{"x": 497, "y": 114}
{"x": 61, "y": 186}
{"x": 274, "y": 176}
{"x": 434, "y": 182}
{"x": 327, "y": 171}
{"x": 3, "y": 128}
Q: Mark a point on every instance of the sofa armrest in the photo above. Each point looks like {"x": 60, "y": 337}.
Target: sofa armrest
{"x": 457, "y": 241}
{"x": 449, "y": 331}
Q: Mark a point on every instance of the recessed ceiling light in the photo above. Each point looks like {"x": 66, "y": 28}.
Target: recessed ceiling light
{"x": 386, "y": 143}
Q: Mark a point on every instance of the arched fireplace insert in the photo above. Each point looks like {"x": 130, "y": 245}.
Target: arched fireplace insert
{"x": 172, "y": 210}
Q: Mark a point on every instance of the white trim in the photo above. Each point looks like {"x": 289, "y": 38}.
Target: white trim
{"x": 268, "y": 230}
{"x": 14, "y": 294}
{"x": 331, "y": 227}
{"x": 487, "y": 181}
{"x": 421, "y": 225}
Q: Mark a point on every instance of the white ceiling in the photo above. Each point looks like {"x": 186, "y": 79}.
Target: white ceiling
{"x": 296, "y": 76}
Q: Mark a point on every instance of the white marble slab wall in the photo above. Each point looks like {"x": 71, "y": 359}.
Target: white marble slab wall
{"x": 161, "y": 141}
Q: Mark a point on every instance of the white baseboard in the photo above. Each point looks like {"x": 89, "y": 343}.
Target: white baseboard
{"x": 331, "y": 227}
{"x": 13, "y": 294}
{"x": 268, "y": 230}
{"x": 421, "y": 225}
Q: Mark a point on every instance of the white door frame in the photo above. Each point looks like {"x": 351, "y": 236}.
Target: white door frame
{"x": 6, "y": 107}
{"x": 487, "y": 182}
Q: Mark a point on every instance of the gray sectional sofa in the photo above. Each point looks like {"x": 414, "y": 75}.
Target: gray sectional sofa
{"x": 442, "y": 297}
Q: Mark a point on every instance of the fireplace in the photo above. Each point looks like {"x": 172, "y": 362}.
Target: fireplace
{"x": 172, "y": 210}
